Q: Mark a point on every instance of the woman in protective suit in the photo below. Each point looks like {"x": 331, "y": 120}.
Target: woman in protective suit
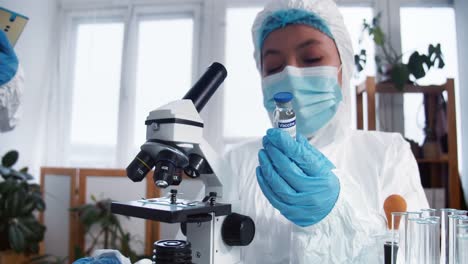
{"x": 317, "y": 198}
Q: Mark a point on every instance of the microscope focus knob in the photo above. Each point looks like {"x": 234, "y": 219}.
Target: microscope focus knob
{"x": 238, "y": 230}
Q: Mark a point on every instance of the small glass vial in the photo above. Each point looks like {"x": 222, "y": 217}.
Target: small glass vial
{"x": 284, "y": 116}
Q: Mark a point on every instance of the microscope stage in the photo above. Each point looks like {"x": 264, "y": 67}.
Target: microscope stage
{"x": 167, "y": 213}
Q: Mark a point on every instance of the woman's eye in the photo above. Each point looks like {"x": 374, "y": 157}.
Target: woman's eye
{"x": 273, "y": 70}
{"x": 313, "y": 60}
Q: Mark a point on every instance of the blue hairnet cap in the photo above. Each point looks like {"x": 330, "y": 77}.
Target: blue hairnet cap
{"x": 283, "y": 18}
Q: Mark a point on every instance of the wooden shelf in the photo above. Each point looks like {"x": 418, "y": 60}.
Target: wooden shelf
{"x": 439, "y": 160}
{"x": 450, "y": 159}
{"x": 389, "y": 88}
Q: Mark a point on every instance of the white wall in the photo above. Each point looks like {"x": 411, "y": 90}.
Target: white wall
{"x": 33, "y": 50}
{"x": 461, "y": 9}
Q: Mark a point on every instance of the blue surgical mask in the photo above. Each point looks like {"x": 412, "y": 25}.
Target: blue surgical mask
{"x": 317, "y": 95}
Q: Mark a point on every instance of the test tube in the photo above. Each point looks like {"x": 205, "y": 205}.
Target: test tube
{"x": 409, "y": 233}
{"x": 398, "y": 236}
{"x": 413, "y": 241}
{"x": 429, "y": 251}
{"x": 434, "y": 240}
{"x": 463, "y": 219}
{"x": 452, "y": 241}
{"x": 428, "y": 212}
{"x": 462, "y": 243}
{"x": 461, "y": 212}
{"x": 444, "y": 213}
{"x": 423, "y": 241}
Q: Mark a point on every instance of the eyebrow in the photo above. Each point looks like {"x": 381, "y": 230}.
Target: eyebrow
{"x": 300, "y": 46}
{"x": 308, "y": 43}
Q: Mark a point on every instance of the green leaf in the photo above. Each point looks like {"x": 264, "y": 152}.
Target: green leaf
{"x": 28, "y": 207}
{"x": 40, "y": 205}
{"x": 5, "y": 187}
{"x": 441, "y": 63}
{"x": 89, "y": 216}
{"x": 400, "y": 75}
{"x": 24, "y": 170}
{"x": 33, "y": 224}
{"x": 379, "y": 37}
{"x": 35, "y": 188}
{"x": 16, "y": 238}
{"x": 416, "y": 65}
{"x": 431, "y": 50}
{"x": 376, "y": 20}
{"x": 12, "y": 204}
{"x": 10, "y": 158}
{"x": 360, "y": 60}
{"x": 28, "y": 232}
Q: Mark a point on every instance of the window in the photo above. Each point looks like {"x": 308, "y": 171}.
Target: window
{"x": 164, "y": 67}
{"x": 418, "y": 30}
{"x": 96, "y": 89}
{"x": 244, "y": 115}
{"x": 118, "y": 80}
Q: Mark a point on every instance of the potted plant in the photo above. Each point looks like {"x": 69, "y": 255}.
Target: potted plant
{"x": 104, "y": 229}
{"x": 20, "y": 200}
{"x": 389, "y": 63}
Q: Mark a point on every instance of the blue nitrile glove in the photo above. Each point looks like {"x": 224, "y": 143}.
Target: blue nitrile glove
{"x": 296, "y": 178}
{"x": 8, "y": 60}
{"x": 99, "y": 260}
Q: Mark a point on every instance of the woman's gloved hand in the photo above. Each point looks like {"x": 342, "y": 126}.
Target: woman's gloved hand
{"x": 296, "y": 178}
{"x": 8, "y": 60}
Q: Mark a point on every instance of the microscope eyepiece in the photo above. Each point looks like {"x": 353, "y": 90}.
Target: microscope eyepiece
{"x": 140, "y": 166}
{"x": 207, "y": 85}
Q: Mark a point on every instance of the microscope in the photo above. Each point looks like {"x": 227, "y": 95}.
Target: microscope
{"x": 175, "y": 146}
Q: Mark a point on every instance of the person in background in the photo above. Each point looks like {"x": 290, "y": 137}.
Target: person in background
{"x": 317, "y": 198}
{"x": 11, "y": 85}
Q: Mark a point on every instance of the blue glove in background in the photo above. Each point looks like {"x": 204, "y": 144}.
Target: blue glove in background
{"x": 296, "y": 178}
{"x": 104, "y": 259}
{"x": 8, "y": 60}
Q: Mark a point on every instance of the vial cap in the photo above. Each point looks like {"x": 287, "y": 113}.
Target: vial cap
{"x": 283, "y": 97}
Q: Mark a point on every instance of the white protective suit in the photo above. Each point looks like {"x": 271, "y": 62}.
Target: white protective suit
{"x": 10, "y": 101}
{"x": 370, "y": 165}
